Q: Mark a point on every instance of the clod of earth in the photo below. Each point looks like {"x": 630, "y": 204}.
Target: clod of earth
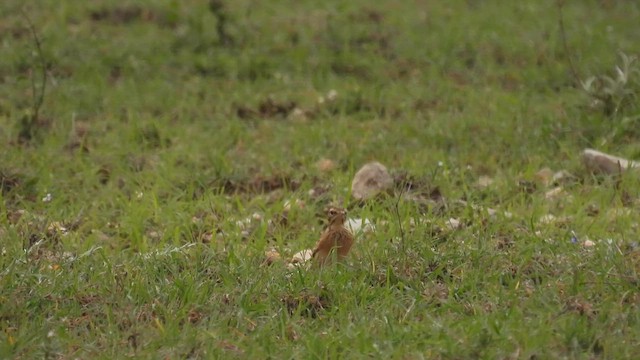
{"x": 308, "y": 304}
{"x": 544, "y": 177}
{"x": 271, "y": 256}
{"x": 325, "y": 165}
{"x": 370, "y": 180}
{"x": 547, "y": 177}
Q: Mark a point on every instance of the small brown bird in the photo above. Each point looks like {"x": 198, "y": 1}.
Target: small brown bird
{"x": 335, "y": 236}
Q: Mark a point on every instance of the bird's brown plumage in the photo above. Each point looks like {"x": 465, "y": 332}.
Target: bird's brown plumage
{"x": 335, "y": 236}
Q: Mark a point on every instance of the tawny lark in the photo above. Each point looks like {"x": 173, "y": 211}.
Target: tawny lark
{"x": 335, "y": 236}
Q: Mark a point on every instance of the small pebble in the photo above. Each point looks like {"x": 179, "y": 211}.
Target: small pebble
{"x": 544, "y": 176}
{"x": 453, "y": 224}
{"x": 325, "y": 165}
{"x": 271, "y": 256}
{"x": 302, "y": 256}
{"x": 360, "y": 225}
{"x": 547, "y": 219}
{"x": 485, "y": 181}
{"x": 554, "y": 193}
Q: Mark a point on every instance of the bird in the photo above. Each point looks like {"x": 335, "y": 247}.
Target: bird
{"x": 335, "y": 236}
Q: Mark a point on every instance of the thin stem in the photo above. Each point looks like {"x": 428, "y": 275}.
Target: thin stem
{"x": 397, "y": 211}
{"x": 563, "y": 37}
{"x": 37, "y": 100}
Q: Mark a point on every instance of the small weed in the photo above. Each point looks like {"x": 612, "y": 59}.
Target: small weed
{"x": 617, "y": 95}
{"x": 219, "y": 10}
{"x": 30, "y": 124}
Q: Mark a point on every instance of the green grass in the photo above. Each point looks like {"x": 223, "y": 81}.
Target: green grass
{"x": 157, "y": 135}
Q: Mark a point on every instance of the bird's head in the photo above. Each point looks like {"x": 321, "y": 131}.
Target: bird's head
{"x": 336, "y": 215}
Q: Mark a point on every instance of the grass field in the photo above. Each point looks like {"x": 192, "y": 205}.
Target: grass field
{"x": 139, "y": 199}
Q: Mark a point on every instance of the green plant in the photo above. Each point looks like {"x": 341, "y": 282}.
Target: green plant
{"x": 617, "y": 95}
{"x": 30, "y": 123}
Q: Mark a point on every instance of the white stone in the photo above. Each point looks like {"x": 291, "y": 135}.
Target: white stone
{"x": 554, "y": 193}
{"x": 453, "y": 224}
{"x": 597, "y": 161}
{"x": 302, "y": 256}
{"x": 360, "y": 226}
{"x": 485, "y": 181}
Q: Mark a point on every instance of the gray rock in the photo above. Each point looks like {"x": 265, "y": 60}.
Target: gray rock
{"x": 600, "y": 162}
{"x": 370, "y": 180}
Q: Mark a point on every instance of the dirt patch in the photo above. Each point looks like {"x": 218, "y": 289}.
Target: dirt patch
{"x": 257, "y": 184}
{"x": 306, "y": 303}
{"x": 124, "y": 15}
{"x": 367, "y": 15}
{"x": 10, "y": 181}
{"x": 342, "y": 68}
{"x": 267, "y": 109}
{"x": 17, "y": 185}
